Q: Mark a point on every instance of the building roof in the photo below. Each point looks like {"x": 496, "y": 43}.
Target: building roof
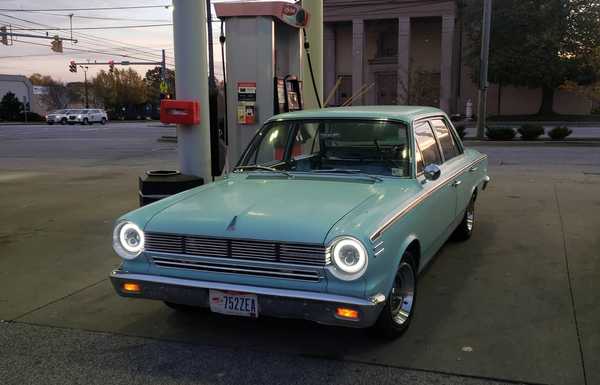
{"x": 402, "y": 113}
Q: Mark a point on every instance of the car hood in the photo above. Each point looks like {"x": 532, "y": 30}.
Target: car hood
{"x": 265, "y": 207}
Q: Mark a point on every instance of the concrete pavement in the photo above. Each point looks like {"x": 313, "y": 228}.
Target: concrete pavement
{"x": 516, "y": 303}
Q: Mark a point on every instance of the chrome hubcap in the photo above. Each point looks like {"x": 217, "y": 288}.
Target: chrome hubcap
{"x": 470, "y": 216}
{"x": 403, "y": 294}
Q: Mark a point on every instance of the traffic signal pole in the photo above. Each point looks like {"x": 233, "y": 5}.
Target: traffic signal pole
{"x": 191, "y": 65}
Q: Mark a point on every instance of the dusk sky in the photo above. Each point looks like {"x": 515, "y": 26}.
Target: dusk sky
{"x": 26, "y": 56}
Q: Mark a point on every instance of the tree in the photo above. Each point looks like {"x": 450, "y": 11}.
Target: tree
{"x": 10, "y": 107}
{"x": 537, "y": 44}
{"x": 152, "y": 82}
{"x": 58, "y": 94}
{"x": 121, "y": 88}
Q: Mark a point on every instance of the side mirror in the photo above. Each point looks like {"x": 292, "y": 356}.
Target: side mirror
{"x": 432, "y": 172}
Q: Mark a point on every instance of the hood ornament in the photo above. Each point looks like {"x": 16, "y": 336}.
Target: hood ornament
{"x": 231, "y": 226}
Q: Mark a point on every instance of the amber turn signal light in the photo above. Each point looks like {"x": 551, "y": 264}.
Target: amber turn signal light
{"x": 132, "y": 287}
{"x": 346, "y": 313}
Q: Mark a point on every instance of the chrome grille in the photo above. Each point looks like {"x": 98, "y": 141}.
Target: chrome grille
{"x": 238, "y": 249}
{"x": 261, "y": 271}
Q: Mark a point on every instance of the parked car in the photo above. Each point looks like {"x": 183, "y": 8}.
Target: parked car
{"x": 329, "y": 216}
{"x": 87, "y": 116}
{"x": 57, "y": 116}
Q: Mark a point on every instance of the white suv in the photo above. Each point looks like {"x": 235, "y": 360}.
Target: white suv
{"x": 87, "y": 116}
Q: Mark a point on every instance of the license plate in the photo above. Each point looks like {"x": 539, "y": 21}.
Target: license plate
{"x": 233, "y": 303}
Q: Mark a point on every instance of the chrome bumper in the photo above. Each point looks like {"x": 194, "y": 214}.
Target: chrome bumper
{"x": 318, "y": 307}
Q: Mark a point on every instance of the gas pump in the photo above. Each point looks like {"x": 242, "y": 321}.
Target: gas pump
{"x": 263, "y": 59}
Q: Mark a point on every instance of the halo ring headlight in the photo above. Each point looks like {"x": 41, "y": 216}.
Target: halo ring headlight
{"x": 349, "y": 258}
{"x": 128, "y": 240}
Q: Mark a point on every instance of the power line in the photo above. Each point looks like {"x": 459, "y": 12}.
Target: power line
{"x": 166, "y": 6}
{"x": 86, "y": 28}
{"x": 92, "y": 38}
{"x": 99, "y": 17}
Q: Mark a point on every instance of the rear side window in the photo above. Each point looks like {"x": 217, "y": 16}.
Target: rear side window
{"x": 447, "y": 142}
{"x": 427, "y": 144}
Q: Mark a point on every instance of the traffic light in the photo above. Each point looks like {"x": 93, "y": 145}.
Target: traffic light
{"x": 56, "y": 45}
{"x": 111, "y": 66}
{"x": 3, "y": 35}
{"x": 72, "y": 66}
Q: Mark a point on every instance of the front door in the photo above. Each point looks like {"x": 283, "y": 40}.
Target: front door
{"x": 387, "y": 88}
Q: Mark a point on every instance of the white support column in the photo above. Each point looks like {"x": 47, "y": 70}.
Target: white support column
{"x": 358, "y": 43}
{"x": 446, "y": 62}
{"x": 329, "y": 57}
{"x": 403, "y": 59}
{"x": 190, "y": 38}
{"x": 314, "y": 32}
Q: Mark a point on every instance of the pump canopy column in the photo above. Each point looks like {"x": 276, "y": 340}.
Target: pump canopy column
{"x": 190, "y": 39}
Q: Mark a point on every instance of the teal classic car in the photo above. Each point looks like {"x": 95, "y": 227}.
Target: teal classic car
{"x": 329, "y": 216}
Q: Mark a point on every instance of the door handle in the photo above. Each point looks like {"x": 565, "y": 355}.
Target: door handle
{"x": 456, "y": 183}
{"x": 473, "y": 169}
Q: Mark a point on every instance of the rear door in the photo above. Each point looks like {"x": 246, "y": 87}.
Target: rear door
{"x": 440, "y": 205}
{"x": 454, "y": 161}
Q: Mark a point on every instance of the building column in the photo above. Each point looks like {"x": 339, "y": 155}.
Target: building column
{"x": 403, "y": 59}
{"x": 446, "y": 62}
{"x": 358, "y": 43}
{"x": 329, "y": 58}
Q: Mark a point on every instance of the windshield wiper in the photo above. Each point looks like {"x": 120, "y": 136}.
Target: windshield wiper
{"x": 346, "y": 171}
{"x": 264, "y": 168}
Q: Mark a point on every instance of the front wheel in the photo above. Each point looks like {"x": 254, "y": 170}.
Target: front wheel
{"x": 85, "y": 121}
{"x": 63, "y": 121}
{"x": 465, "y": 228}
{"x": 103, "y": 121}
{"x": 398, "y": 311}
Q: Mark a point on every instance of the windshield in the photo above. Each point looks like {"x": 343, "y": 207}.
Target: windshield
{"x": 337, "y": 146}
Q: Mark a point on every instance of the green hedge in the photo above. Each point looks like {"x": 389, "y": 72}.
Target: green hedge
{"x": 559, "y": 133}
{"x": 531, "y": 131}
{"x": 500, "y": 133}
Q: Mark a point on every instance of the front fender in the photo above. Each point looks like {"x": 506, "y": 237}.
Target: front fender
{"x": 383, "y": 267}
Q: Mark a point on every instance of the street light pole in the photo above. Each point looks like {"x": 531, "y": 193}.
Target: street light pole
{"x": 483, "y": 67}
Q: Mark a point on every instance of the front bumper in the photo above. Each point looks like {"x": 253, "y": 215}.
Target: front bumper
{"x": 313, "y": 306}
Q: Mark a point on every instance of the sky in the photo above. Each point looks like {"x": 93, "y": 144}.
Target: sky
{"x": 25, "y": 58}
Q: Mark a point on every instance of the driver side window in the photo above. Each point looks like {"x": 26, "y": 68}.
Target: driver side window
{"x": 271, "y": 145}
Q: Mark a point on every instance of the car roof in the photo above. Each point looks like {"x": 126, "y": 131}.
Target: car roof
{"x": 403, "y": 113}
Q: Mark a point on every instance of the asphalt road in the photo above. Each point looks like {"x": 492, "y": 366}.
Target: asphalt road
{"x": 516, "y": 303}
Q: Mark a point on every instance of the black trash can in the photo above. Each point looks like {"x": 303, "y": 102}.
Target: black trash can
{"x": 155, "y": 185}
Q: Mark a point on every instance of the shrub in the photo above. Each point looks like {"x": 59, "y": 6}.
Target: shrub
{"x": 500, "y": 133}
{"x": 531, "y": 131}
{"x": 559, "y": 133}
{"x": 31, "y": 117}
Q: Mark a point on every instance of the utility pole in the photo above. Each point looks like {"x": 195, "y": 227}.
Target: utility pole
{"x": 483, "y": 68}
{"x": 85, "y": 87}
{"x": 163, "y": 65}
{"x": 190, "y": 37}
{"x": 213, "y": 95}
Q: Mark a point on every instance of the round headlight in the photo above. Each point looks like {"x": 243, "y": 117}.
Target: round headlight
{"x": 349, "y": 258}
{"x": 128, "y": 240}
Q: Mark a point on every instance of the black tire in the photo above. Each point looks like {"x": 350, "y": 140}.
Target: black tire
{"x": 398, "y": 311}
{"x": 63, "y": 121}
{"x": 183, "y": 308}
{"x": 103, "y": 121}
{"x": 50, "y": 123}
{"x": 466, "y": 226}
{"x": 85, "y": 121}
